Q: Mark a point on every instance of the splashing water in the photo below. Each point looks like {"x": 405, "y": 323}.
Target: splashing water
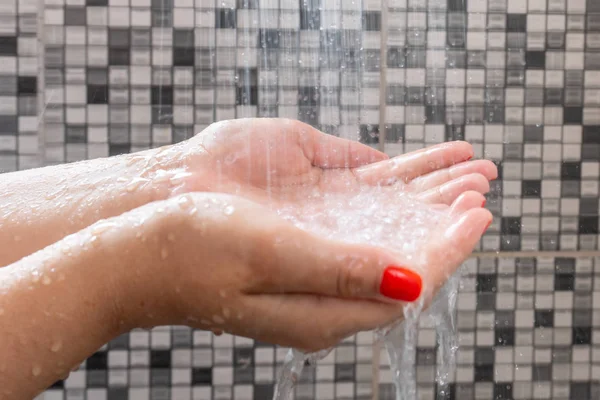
{"x": 394, "y": 219}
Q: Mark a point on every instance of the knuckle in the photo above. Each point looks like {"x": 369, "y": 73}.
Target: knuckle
{"x": 350, "y": 278}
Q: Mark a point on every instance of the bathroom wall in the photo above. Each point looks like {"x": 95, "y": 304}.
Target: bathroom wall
{"x": 519, "y": 79}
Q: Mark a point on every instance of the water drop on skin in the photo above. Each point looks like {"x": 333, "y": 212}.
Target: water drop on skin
{"x": 46, "y": 280}
{"x": 226, "y": 312}
{"x": 56, "y": 346}
{"x": 218, "y": 319}
{"x": 164, "y": 253}
{"x": 36, "y": 370}
{"x": 171, "y": 237}
{"x": 1, "y": 311}
{"x": 222, "y": 293}
{"x": 17, "y": 239}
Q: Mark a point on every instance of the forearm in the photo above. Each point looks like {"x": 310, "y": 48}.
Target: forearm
{"x": 57, "y": 307}
{"x": 39, "y": 207}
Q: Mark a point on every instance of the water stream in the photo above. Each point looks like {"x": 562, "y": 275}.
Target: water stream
{"x": 392, "y": 218}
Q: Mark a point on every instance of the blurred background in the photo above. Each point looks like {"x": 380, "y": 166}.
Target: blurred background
{"x": 519, "y": 79}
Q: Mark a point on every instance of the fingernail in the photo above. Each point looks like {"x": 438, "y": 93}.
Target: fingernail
{"x": 483, "y": 204}
{"x": 401, "y": 284}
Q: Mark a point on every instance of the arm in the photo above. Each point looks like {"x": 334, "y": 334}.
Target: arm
{"x": 41, "y": 206}
{"x": 61, "y": 304}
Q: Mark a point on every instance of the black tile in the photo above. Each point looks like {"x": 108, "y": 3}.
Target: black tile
{"x": 516, "y": 22}
{"x": 503, "y": 391}
{"x": 263, "y": 391}
{"x": 533, "y": 134}
{"x": 444, "y": 392}
{"x": 396, "y": 57}
{"x": 76, "y": 134}
{"x": 396, "y": 95}
{"x": 484, "y": 373}
{"x": 243, "y": 356}
{"x": 531, "y": 188}
{"x": 541, "y": 373}
{"x": 484, "y": 356}
{"x": 415, "y": 58}
{"x": 582, "y": 335}
{"x": 243, "y": 375}
{"x": 564, "y": 282}
{"x": 395, "y": 133}
{"x": 8, "y": 45}
{"x": 435, "y": 114}
{"x": 118, "y": 56}
{"x": 590, "y": 152}
{"x": 504, "y": 336}
{"x": 573, "y": 115}
{"x": 494, "y": 114}
{"x": 344, "y": 372}
{"x": 98, "y": 360}
{"x": 310, "y": 19}
{"x": 118, "y": 149}
{"x": 96, "y": 3}
{"x": 579, "y": 391}
{"x": 554, "y": 96}
{"x": 183, "y": 56}
{"x": 97, "y": 94}
{"x": 570, "y": 170}
{"x": 309, "y": 115}
{"x": 456, "y": 39}
{"x": 27, "y": 85}
{"x": 535, "y": 60}
{"x": 369, "y": 134}
{"x": 96, "y": 379}
{"x": 486, "y": 301}
{"x": 487, "y": 283}
{"x": 160, "y": 358}
{"x": 511, "y": 225}
{"x": 75, "y": 16}
{"x": 225, "y": 18}
{"x": 457, "y": 5}
{"x": 201, "y": 376}
{"x": 455, "y": 132}
{"x": 588, "y": 225}
{"x": 247, "y": 3}
{"x": 162, "y": 94}
{"x": 544, "y": 319}
{"x": 371, "y": 21}
{"x": 269, "y": 38}
{"x": 162, "y": 114}
{"x": 591, "y": 134}
{"x": 118, "y": 393}
{"x": 308, "y": 96}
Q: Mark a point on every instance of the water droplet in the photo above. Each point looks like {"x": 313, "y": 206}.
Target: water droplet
{"x": 222, "y": 293}
{"x": 36, "y": 370}
{"x": 46, "y": 280}
{"x": 229, "y": 210}
{"x": 1, "y": 311}
{"x": 226, "y": 312}
{"x": 135, "y": 184}
{"x": 185, "y": 202}
{"x": 17, "y": 239}
{"x": 101, "y": 227}
{"x": 36, "y": 276}
{"x": 218, "y": 319}
{"x": 164, "y": 253}
{"x": 171, "y": 237}
{"x": 56, "y": 346}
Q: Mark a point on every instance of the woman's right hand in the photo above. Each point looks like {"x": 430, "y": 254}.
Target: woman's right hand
{"x": 222, "y": 263}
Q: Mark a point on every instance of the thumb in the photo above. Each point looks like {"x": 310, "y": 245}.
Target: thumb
{"x": 310, "y": 264}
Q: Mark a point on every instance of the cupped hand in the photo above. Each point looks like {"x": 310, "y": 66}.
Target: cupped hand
{"x": 226, "y": 264}
{"x": 285, "y": 160}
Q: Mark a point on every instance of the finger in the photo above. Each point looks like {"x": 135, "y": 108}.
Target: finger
{"x": 412, "y": 165}
{"x": 448, "y": 192}
{"x": 452, "y": 249}
{"x": 437, "y": 178}
{"x": 467, "y": 201}
{"x": 313, "y": 323}
{"x": 328, "y": 151}
{"x": 312, "y": 265}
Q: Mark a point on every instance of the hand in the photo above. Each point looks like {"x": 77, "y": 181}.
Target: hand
{"x": 223, "y": 263}
{"x": 282, "y": 160}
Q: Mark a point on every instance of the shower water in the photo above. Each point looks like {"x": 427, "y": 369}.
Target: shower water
{"x": 392, "y": 218}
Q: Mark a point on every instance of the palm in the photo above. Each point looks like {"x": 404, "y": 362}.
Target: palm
{"x": 285, "y": 160}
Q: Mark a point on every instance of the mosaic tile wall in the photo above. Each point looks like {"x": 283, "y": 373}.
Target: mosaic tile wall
{"x": 520, "y": 79}
{"x": 19, "y": 126}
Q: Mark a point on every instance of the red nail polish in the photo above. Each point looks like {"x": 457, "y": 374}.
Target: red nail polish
{"x": 401, "y": 284}
{"x": 483, "y": 204}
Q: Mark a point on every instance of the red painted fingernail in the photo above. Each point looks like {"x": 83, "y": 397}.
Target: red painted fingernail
{"x": 401, "y": 284}
{"x": 483, "y": 204}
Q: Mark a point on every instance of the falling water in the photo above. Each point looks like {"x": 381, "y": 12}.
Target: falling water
{"x": 390, "y": 218}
